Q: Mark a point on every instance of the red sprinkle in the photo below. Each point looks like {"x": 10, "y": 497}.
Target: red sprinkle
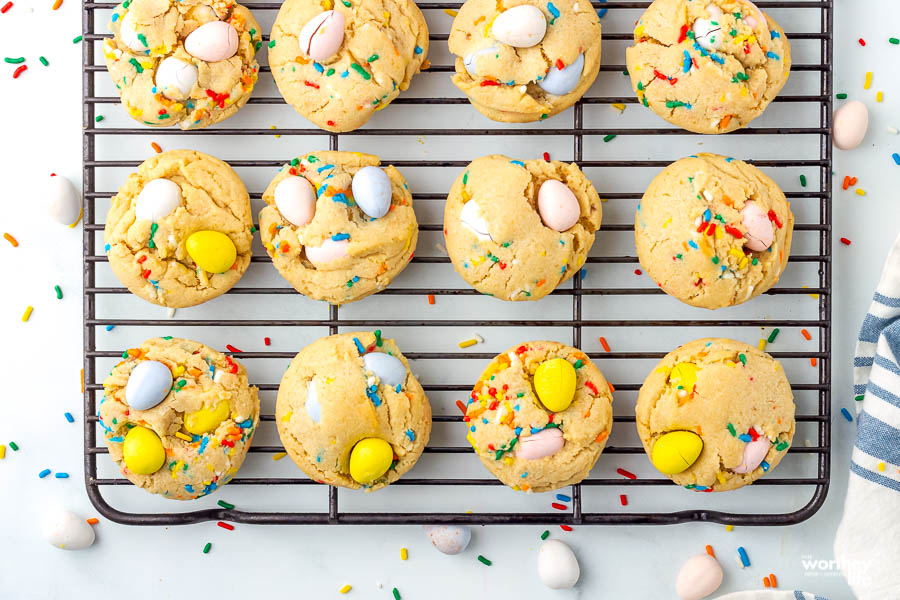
{"x": 560, "y": 64}
{"x": 862, "y": 42}
{"x": 547, "y": 156}
{"x": 461, "y": 406}
{"x": 559, "y": 506}
{"x": 625, "y": 473}
{"x": 660, "y": 75}
{"x": 218, "y": 99}
{"x": 488, "y": 82}
{"x": 590, "y": 385}
{"x": 142, "y": 258}
{"x": 702, "y": 226}
{"x": 565, "y": 528}
{"x": 267, "y": 341}
{"x": 683, "y": 34}
{"x": 711, "y": 229}
{"x": 19, "y": 71}
{"x": 6, "y": 7}
{"x": 225, "y": 525}
{"x": 774, "y": 218}
{"x": 232, "y": 348}
{"x": 146, "y": 274}
{"x": 845, "y": 241}
{"x": 637, "y": 271}
{"x": 846, "y": 182}
{"x": 330, "y": 123}
{"x": 311, "y": 84}
{"x": 733, "y": 231}
{"x": 623, "y": 499}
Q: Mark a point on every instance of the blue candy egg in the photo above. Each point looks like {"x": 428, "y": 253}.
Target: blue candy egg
{"x": 389, "y": 369}
{"x": 561, "y": 82}
{"x": 148, "y": 385}
{"x": 471, "y": 60}
{"x": 372, "y": 191}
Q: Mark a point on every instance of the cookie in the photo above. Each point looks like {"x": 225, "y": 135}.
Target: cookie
{"x": 539, "y": 416}
{"x": 709, "y": 66}
{"x": 517, "y": 229}
{"x": 713, "y": 231}
{"x": 338, "y": 226}
{"x": 350, "y": 413}
{"x": 337, "y": 63}
{"x": 525, "y": 60}
{"x": 189, "y": 63}
{"x": 179, "y": 231}
{"x": 178, "y": 417}
{"x": 716, "y": 414}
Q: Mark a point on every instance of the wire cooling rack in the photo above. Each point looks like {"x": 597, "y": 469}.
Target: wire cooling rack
{"x": 430, "y": 133}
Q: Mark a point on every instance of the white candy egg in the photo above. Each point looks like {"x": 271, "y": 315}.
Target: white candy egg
{"x": 148, "y": 384}
{"x": 176, "y": 78}
{"x": 296, "y": 200}
{"x": 313, "y": 408}
{"x": 557, "y": 205}
{"x": 449, "y": 539}
{"x": 471, "y": 60}
{"x": 557, "y": 565}
{"x": 473, "y": 220}
{"x": 157, "y": 200}
{"x": 212, "y": 42}
{"x": 371, "y": 188}
{"x": 521, "y": 26}
{"x": 329, "y": 251}
{"x": 700, "y": 576}
{"x": 66, "y": 530}
{"x": 322, "y": 35}
{"x": 560, "y": 82}
{"x": 708, "y": 32}
{"x": 63, "y": 201}
{"x": 851, "y": 121}
{"x": 388, "y": 368}
{"x": 128, "y": 34}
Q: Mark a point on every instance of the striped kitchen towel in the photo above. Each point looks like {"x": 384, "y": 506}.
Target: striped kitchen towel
{"x": 771, "y": 595}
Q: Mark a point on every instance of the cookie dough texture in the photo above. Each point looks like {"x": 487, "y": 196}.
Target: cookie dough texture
{"x": 701, "y": 90}
{"x": 203, "y": 378}
{"x": 150, "y": 258}
{"x": 519, "y": 258}
{"x": 737, "y": 386}
{"x": 378, "y": 248}
{"x": 710, "y": 271}
{"x": 505, "y": 87}
{"x": 504, "y": 409}
{"x": 319, "y": 429}
{"x": 222, "y": 87}
{"x": 385, "y": 44}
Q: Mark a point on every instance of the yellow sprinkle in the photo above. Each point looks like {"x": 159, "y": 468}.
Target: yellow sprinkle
{"x": 736, "y": 253}
{"x": 879, "y": 96}
{"x": 27, "y": 314}
{"x": 639, "y": 30}
{"x": 868, "y": 82}
{"x": 860, "y": 192}
{"x": 743, "y": 90}
{"x": 287, "y": 416}
{"x": 345, "y": 589}
{"x": 177, "y": 371}
{"x": 467, "y": 343}
{"x": 279, "y": 455}
{"x": 277, "y": 135}
{"x": 619, "y": 106}
{"x": 721, "y": 477}
{"x": 881, "y": 466}
{"x": 507, "y": 460}
{"x": 762, "y": 344}
{"x": 729, "y": 528}
{"x": 2, "y": 451}
{"x": 329, "y": 380}
{"x": 719, "y": 232}
{"x": 666, "y": 224}
{"x": 743, "y": 263}
{"x": 451, "y": 12}
{"x": 182, "y": 436}
{"x": 404, "y": 554}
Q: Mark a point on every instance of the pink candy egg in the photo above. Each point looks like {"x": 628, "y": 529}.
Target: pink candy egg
{"x": 322, "y": 35}
{"x": 296, "y": 200}
{"x": 212, "y": 42}
{"x": 751, "y": 21}
{"x": 543, "y": 443}
{"x": 700, "y": 576}
{"x": 557, "y": 205}
{"x": 760, "y": 232}
{"x": 329, "y": 251}
{"x": 754, "y": 453}
{"x": 850, "y": 124}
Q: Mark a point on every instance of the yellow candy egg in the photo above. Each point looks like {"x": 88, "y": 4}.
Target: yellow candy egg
{"x": 554, "y": 383}
{"x": 684, "y": 376}
{"x": 211, "y": 250}
{"x": 143, "y": 451}
{"x": 370, "y": 459}
{"x": 676, "y": 451}
{"x": 206, "y": 419}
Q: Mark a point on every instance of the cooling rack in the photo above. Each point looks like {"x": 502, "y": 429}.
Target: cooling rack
{"x": 430, "y": 133}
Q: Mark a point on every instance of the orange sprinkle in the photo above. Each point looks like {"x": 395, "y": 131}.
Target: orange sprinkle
{"x": 709, "y": 551}
{"x": 525, "y": 487}
{"x": 82, "y": 381}
{"x": 155, "y": 147}
{"x": 728, "y": 201}
{"x": 612, "y": 390}
{"x": 603, "y": 435}
{"x": 846, "y": 182}
{"x": 89, "y": 521}
{"x": 57, "y": 4}
{"x": 699, "y": 431}
{"x": 725, "y": 121}
{"x": 806, "y": 334}
{"x": 772, "y": 580}
{"x": 11, "y": 240}
{"x": 766, "y": 582}
{"x": 604, "y": 344}
{"x": 813, "y": 361}
{"x": 541, "y": 282}
{"x": 430, "y": 298}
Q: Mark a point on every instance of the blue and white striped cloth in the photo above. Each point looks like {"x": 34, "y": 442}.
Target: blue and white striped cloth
{"x": 771, "y": 595}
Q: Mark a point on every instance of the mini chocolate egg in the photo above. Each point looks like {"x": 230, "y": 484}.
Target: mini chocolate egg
{"x": 754, "y": 453}
{"x": 295, "y": 199}
{"x": 471, "y": 60}
{"x": 148, "y": 384}
{"x": 143, "y": 451}
{"x": 312, "y": 405}
{"x": 708, "y": 32}
{"x": 521, "y": 26}
{"x": 212, "y": 42}
{"x": 472, "y": 219}
{"x": 554, "y": 384}
{"x": 387, "y": 368}
{"x": 213, "y": 251}
{"x": 560, "y": 82}
{"x": 851, "y": 121}
{"x": 206, "y": 419}
{"x": 758, "y": 18}
{"x": 66, "y": 530}
{"x": 684, "y": 378}
{"x": 699, "y": 577}
{"x": 557, "y": 205}
{"x": 760, "y": 231}
{"x": 557, "y": 565}
{"x": 129, "y": 36}
{"x": 175, "y": 78}
{"x": 370, "y": 459}
{"x": 63, "y": 201}
{"x": 545, "y": 442}
{"x": 676, "y": 451}
{"x": 157, "y": 200}
{"x": 322, "y": 35}
{"x": 449, "y": 539}
{"x": 329, "y": 251}
{"x": 372, "y": 192}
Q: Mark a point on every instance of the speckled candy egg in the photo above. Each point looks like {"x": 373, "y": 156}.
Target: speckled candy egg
{"x": 760, "y": 232}
{"x": 213, "y": 251}
{"x": 372, "y": 192}
{"x": 63, "y": 201}
{"x": 545, "y": 442}
{"x": 708, "y": 32}
{"x": 700, "y": 576}
{"x": 388, "y": 368}
{"x": 129, "y": 36}
{"x": 322, "y": 35}
{"x": 449, "y": 539}
{"x": 851, "y": 121}
{"x": 676, "y": 451}
{"x": 157, "y": 200}
{"x": 557, "y": 565}
{"x": 471, "y": 60}
{"x": 329, "y": 251}
{"x": 148, "y": 384}
{"x": 66, "y": 530}
{"x": 175, "y": 78}
{"x": 557, "y": 205}
{"x": 473, "y": 220}
{"x": 296, "y": 200}
{"x": 521, "y": 26}
{"x": 560, "y": 82}
{"x": 754, "y": 453}
{"x": 212, "y": 42}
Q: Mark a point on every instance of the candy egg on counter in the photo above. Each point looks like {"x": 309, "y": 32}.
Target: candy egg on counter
{"x": 212, "y": 42}
{"x": 312, "y": 405}
{"x": 557, "y": 205}
{"x": 370, "y": 459}
{"x": 175, "y": 78}
{"x": 128, "y": 34}
{"x": 157, "y": 200}
{"x": 372, "y": 192}
{"x": 66, "y": 530}
{"x": 676, "y": 451}
{"x": 206, "y": 420}
{"x": 557, "y": 565}
{"x": 850, "y": 123}
{"x": 148, "y": 384}
{"x": 471, "y": 60}
{"x": 213, "y": 251}
{"x": 754, "y": 453}
{"x": 295, "y": 199}
{"x": 521, "y": 26}
{"x": 474, "y": 221}
{"x": 329, "y": 251}
{"x": 560, "y": 82}
{"x": 708, "y": 32}
{"x": 143, "y": 451}
{"x": 388, "y": 368}
{"x": 322, "y": 35}
{"x": 554, "y": 383}
{"x": 760, "y": 232}
{"x": 63, "y": 201}
{"x": 699, "y": 577}
{"x": 449, "y": 539}
{"x": 545, "y": 442}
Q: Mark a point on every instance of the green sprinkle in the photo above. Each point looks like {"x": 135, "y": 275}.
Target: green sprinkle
{"x": 840, "y": 96}
{"x": 483, "y": 560}
{"x": 546, "y": 534}
{"x": 578, "y": 364}
{"x": 136, "y": 64}
{"x": 640, "y": 85}
{"x": 378, "y": 340}
{"x": 58, "y": 292}
{"x": 609, "y": 137}
{"x": 98, "y": 118}
{"x": 544, "y": 116}
{"x": 781, "y": 446}
{"x": 731, "y": 430}
{"x": 678, "y": 256}
{"x": 465, "y": 177}
{"x": 860, "y": 397}
{"x": 674, "y": 103}
{"x": 755, "y": 260}
{"x": 345, "y": 3}
{"x": 372, "y": 58}
{"x": 396, "y": 593}
{"x": 153, "y": 228}
{"x": 894, "y": 41}
{"x": 715, "y": 260}
{"x": 625, "y": 72}
{"x": 76, "y": 40}
{"x": 258, "y": 45}
{"x": 43, "y": 61}
{"x": 206, "y": 548}
{"x": 14, "y": 446}
{"x": 742, "y": 77}
{"x": 803, "y": 180}
{"x": 361, "y": 71}
{"x": 226, "y": 505}
{"x": 252, "y": 33}
{"x": 329, "y": 72}
{"x": 142, "y": 39}
{"x": 14, "y": 61}
{"x": 743, "y": 359}
{"x": 272, "y": 44}
{"x": 253, "y": 229}
{"x": 295, "y": 162}
{"x": 773, "y": 335}
{"x": 644, "y": 101}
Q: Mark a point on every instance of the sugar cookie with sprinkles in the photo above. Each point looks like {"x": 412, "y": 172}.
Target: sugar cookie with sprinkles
{"x": 179, "y": 230}
{"x": 713, "y": 231}
{"x": 350, "y": 413}
{"x": 716, "y": 414}
{"x": 517, "y": 229}
{"x": 189, "y": 63}
{"x": 708, "y": 66}
{"x": 339, "y": 62}
{"x": 178, "y": 417}
{"x": 539, "y": 416}
{"x": 525, "y": 60}
{"x": 338, "y": 225}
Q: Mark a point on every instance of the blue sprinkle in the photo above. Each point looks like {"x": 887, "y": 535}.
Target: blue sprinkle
{"x": 771, "y": 54}
{"x": 896, "y": 157}
{"x": 518, "y": 162}
{"x": 203, "y": 444}
{"x": 411, "y": 435}
{"x": 321, "y": 190}
{"x": 62, "y": 475}
{"x": 687, "y": 62}
{"x": 319, "y": 67}
{"x": 744, "y": 437}
{"x": 764, "y": 465}
{"x": 701, "y": 488}
{"x": 118, "y": 439}
{"x": 553, "y": 10}
{"x": 518, "y": 430}
{"x": 345, "y": 73}
{"x": 707, "y": 215}
{"x": 69, "y": 417}
{"x": 246, "y": 424}
{"x": 418, "y": 50}
{"x": 846, "y": 414}
{"x": 189, "y": 488}
{"x": 398, "y": 388}
{"x": 534, "y": 430}
{"x": 340, "y": 236}
{"x": 775, "y": 34}
{"x": 115, "y": 17}
{"x": 472, "y": 428}
{"x": 110, "y": 327}
{"x": 729, "y": 159}
{"x": 583, "y": 274}
{"x": 355, "y": 278}
{"x": 483, "y": 420}
{"x": 745, "y": 560}
{"x": 524, "y": 475}
{"x": 563, "y": 498}
{"x": 693, "y": 245}
{"x": 107, "y": 247}
{"x": 342, "y": 198}
{"x": 359, "y": 346}
{"x": 44, "y": 473}
{"x": 602, "y": 12}
{"x": 324, "y": 168}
